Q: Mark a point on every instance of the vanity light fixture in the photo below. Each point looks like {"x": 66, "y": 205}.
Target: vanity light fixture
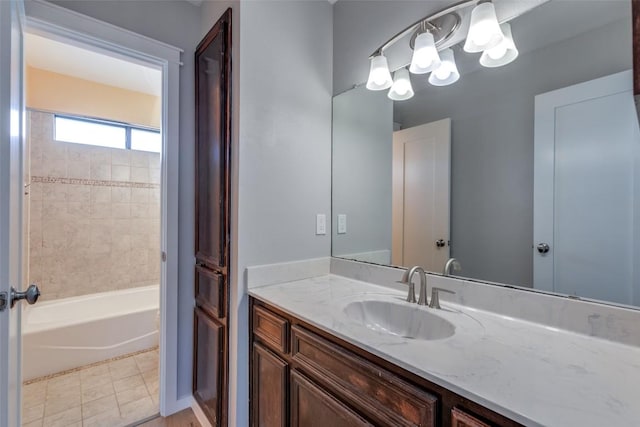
{"x": 401, "y": 89}
{"x": 425, "y": 55}
{"x": 379, "y": 74}
{"x": 484, "y": 29}
{"x": 447, "y": 73}
{"x": 431, "y": 40}
{"x": 503, "y": 54}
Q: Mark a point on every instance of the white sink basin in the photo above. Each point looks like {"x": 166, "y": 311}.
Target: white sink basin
{"x": 407, "y": 321}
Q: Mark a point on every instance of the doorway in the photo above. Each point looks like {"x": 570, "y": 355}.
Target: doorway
{"x": 91, "y": 235}
{"x": 51, "y": 21}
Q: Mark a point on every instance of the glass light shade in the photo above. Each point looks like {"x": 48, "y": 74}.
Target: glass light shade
{"x": 401, "y": 89}
{"x": 379, "y": 75}
{"x": 447, "y": 73}
{"x": 484, "y": 30}
{"x": 503, "y": 54}
{"x": 425, "y": 55}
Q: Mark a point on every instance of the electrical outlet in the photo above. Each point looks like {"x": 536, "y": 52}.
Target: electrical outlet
{"x": 321, "y": 224}
{"x": 342, "y": 224}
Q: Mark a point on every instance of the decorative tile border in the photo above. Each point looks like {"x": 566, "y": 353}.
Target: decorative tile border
{"x": 92, "y": 182}
{"x": 81, "y": 368}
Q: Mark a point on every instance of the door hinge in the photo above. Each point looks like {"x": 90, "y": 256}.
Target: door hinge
{"x": 3, "y": 301}
{"x": 163, "y": 256}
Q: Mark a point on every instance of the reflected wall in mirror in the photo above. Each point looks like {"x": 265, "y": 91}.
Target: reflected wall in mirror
{"x": 528, "y": 174}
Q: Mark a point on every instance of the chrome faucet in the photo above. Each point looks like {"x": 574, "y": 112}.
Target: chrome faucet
{"x": 452, "y": 262}
{"x": 406, "y": 279}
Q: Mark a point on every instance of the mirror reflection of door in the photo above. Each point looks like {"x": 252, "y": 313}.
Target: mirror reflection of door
{"x": 420, "y": 194}
{"x": 587, "y": 159}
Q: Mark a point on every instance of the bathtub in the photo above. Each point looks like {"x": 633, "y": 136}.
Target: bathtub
{"x": 71, "y": 332}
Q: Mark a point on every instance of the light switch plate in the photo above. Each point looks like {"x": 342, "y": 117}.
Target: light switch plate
{"x": 342, "y": 224}
{"x": 321, "y": 224}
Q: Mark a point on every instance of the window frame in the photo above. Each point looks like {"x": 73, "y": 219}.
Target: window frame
{"x": 122, "y": 125}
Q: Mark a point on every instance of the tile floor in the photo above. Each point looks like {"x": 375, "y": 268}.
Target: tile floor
{"x": 111, "y": 394}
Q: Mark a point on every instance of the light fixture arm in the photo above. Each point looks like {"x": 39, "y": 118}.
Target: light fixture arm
{"x": 424, "y": 21}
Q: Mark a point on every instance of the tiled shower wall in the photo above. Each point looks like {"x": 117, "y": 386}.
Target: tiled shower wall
{"x": 94, "y": 222}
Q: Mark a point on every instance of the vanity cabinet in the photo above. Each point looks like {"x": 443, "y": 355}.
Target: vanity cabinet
{"x": 212, "y": 235}
{"x": 303, "y": 376}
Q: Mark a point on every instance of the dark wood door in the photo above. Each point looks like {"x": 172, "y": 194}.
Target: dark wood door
{"x": 269, "y": 389}
{"x": 311, "y": 406}
{"x": 208, "y": 378}
{"x": 212, "y": 233}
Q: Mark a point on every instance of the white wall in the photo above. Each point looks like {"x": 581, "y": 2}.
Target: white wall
{"x": 283, "y": 164}
{"x": 177, "y": 23}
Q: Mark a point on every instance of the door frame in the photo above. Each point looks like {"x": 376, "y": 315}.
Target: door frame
{"x": 49, "y": 20}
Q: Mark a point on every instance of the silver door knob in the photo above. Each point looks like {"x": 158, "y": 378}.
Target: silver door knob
{"x": 543, "y": 248}
{"x": 31, "y": 295}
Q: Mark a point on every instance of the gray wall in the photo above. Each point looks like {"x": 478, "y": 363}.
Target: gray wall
{"x": 361, "y": 186}
{"x": 283, "y": 150}
{"x": 492, "y": 114}
{"x": 177, "y": 23}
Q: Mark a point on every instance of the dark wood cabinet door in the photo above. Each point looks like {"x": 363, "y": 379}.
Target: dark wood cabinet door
{"x": 269, "y": 389}
{"x": 213, "y": 144}
{"x": 459, "y": 418}
{"x": 311, "y": 406}
{"x": 208, "y": 375}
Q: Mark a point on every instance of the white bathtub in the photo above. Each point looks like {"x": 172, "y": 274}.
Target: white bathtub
{"x": 72, "y": 332}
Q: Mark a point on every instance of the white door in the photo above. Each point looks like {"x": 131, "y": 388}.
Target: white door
{"x": 11, "y": 132}
{"x": 586, "y": 190}
{"x": 421, "y": 178}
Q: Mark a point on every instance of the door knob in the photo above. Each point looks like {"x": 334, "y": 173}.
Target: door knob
{"x": 543, "y": 248}
{"x": 440, "y": 243}
{"x": 31, "y": 295}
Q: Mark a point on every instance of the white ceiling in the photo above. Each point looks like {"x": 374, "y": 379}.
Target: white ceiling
{"x": 62, "y": 58}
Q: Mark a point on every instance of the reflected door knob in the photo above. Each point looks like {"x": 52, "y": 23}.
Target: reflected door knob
{"x": 30, "y": 295}
{"x": 543, "y": 248}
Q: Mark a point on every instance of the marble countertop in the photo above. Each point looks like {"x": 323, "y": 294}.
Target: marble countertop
{"x": 533, "y": 374}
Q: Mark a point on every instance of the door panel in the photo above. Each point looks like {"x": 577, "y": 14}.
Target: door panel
{"x": 585, "y": 200}
{"x": 421, "y": 179}
{"x": 269, "y": 389}
{"x": 208, "y": 377}
{"x": 212, "y": 148}
{"x": 11, "y": 189}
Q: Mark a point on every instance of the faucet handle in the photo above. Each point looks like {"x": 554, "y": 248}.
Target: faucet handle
{"x": 411, "y": 296}
{"x": 435, "y": 299}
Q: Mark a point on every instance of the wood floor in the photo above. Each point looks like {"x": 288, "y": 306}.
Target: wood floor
{"x": 184, "y": 418}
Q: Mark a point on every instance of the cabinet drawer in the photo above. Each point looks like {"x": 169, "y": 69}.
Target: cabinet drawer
{"x": 272, "y": 329}
{"x": 210, "y": 292}
{"x": 377, "y": 393}
{"x": 459, "y": 418}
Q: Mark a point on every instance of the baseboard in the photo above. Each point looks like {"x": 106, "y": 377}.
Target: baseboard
{"x": 199, "y": 413}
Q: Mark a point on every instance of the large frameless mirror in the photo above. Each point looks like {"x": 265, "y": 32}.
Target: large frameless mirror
{"x": 526, "y": 170}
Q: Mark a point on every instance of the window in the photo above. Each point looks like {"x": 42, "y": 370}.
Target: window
{"x": 101, "y": 133}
